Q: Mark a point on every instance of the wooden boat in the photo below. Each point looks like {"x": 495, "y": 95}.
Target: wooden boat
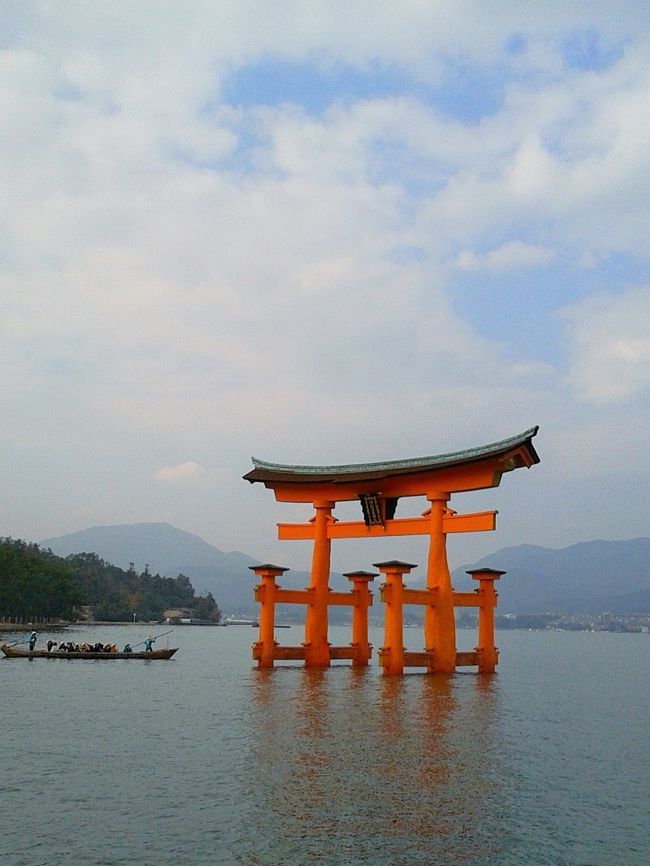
{"x": 22, "y": 653}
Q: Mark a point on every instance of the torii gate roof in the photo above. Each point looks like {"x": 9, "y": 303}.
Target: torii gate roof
{"x": 520, "y": 447}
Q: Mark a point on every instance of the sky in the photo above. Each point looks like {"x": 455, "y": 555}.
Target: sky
{"x": 322, "y": 233}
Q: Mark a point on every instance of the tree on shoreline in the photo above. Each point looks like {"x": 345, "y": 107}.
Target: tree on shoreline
{"x": 36, "y": 585}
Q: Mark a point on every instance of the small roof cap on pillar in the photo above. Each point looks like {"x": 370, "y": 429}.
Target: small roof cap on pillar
{"x": 395, "y": 565}
{"x": 492, "y": 571}
{"x": 268, "y": 566}
{"x": 369, "y": 574}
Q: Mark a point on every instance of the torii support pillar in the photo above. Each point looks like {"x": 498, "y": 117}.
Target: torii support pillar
{"x": 488, "y": 655}
{"x": 265, "y": 592}
{"x": 362, "y": 600}
{"x": 391, "y": 655}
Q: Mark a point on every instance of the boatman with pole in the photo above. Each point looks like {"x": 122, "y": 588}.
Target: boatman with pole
{"x": 149, "y": 641}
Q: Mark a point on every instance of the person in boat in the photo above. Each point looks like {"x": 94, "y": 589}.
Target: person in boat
{"x": 50, "y": 645}
{"x": 148, "y": 643}
{"x": 127, "y": 648}
{"x": 32, "y": 641}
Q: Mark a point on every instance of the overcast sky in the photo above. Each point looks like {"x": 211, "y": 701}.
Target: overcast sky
{"x": 322, "y": 232}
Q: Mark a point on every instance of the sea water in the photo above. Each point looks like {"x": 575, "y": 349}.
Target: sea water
{"x": 205, "y": 760}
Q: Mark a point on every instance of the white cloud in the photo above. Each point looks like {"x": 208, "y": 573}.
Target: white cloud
{"x": 282, "y": 277}
{"x": 180, "y": 472}
{"x": 610, "y": 346}
{"x": 510, "y": 256}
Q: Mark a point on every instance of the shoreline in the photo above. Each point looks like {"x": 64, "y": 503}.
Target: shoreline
{"x": 33, "y": 626}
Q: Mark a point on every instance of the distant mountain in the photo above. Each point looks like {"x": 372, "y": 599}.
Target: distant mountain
{"x": 170, "y": 551}
{"x": 591, "y": 577}
{"x": 161, "y": 545}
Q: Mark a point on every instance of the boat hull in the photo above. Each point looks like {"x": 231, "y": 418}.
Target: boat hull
{"x": 16, "y": 653}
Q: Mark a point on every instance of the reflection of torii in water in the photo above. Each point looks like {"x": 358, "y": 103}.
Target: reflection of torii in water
{"x": 378, "y": 487}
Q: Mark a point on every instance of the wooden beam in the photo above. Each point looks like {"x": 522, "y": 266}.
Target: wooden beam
{"x": 415, "y": 659}
{"x": 340, "y": 598}
{"x": 466, "y": 599}
{"x": 294, "y": 596}
{"x": 480, "y": 522}
{"x": 289, "y": 653}
{"x": 419, "y": 596}
{"x": 464, "y": 659}
{"x": 343, "y": 652}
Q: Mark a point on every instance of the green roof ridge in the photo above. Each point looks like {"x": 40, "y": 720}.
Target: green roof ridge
{"x": 413, "y": 462}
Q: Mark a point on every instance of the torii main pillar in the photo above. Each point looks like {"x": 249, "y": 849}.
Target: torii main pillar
{"x": 439, "y": 620}
{"x": 378, "y": 487}
{"x": 317, "y": 651}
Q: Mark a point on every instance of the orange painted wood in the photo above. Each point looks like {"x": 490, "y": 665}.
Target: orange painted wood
{"x": 464, "y": 659}
{"x": 316, "y": 619}
{"x": 341, "y": 598}
{"x": 425, "y": 659}
{"x": 392, "y": 594}
{"x": 436, "y": 479}
{"x": 354, "y": 529}
{"x": 362, "y": 601}
{"x": 471, "y": 476}
{"x": 439, "y": 620}
{"x": 486, "y": 647}
{"x": 294, "y": 596}
{"x": 467, "y": 599}
{"x": 289, "y": 653}
{"x": 420, "y": 596}
{"x": 483, "y": 521}
{"x": 422, "y": 659}
{"x": 343, "y": 652}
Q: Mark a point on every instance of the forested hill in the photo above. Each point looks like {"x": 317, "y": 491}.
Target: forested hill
{"x": 37, "y": 585}
{"x": 167, "y": 549}
{"x": 170, "y": 550}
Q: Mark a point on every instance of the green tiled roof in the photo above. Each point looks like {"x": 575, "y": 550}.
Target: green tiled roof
{"x": 264, "y": 471}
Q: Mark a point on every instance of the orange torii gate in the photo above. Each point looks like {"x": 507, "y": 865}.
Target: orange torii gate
{"x": 378, "y": 487}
